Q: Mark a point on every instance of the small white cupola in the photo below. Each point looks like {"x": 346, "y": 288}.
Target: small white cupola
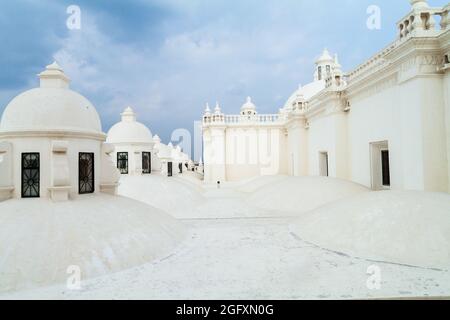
{"x": 324, "y": 66}
{"x": 128, "y": 115}
{"x": 53, "y": 77}
{"x": 156, "y": 139}
{"x": 129, "y": 130}
{"x": 248, "y": 108}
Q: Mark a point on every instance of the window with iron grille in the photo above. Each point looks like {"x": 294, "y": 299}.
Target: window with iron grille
{"x": 122, "y": 162}
{"x": 30, "y": 175}
{"x": 169, "y": 169}
{"x": 86, "y": 180}
{"x": 146, "y": 162}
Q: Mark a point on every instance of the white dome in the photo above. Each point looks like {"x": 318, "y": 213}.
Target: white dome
{"x": 129, "y": 130}
{"x": 306, "y": 92}
{"x": 51, "y": 107}
{"x": 248, "y": 107}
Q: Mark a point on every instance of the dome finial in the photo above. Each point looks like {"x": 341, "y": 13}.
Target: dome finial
{"x": 128, "y": 115}
{"x": 54, "y": 66}
{"x": 248, "y": 106}
{"x": 53, "y": 77}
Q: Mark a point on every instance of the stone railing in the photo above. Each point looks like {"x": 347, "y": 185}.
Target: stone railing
{"x": 423, "y": 22}
{"x": 242, "y": 119}
{"x": 420, "y": 22}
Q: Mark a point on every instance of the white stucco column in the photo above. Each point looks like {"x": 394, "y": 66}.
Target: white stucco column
{"x": 297, "y": 146}
{"x": 447, "y": 119}
{"x": 6, "y": 170}
{"x": 217, "y": 155}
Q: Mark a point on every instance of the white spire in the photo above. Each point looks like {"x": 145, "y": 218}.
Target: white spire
{"x": 217, "y": 109}
{"x": 325, "y": 57}
{"x": 207, "y": 109}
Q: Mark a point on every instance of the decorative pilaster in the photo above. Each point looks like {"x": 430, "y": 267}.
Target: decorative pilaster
{"x": 109, "y": 178}
{"x": 59, "y": 172}
{"x": 6, "y": 178}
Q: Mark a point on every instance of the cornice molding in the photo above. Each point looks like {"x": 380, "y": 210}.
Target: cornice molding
{"x": 53, "y": 134}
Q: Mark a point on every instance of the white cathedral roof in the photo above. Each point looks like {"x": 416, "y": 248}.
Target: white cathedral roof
{"x": 129, "y": 130}
{"x": 51, "y": 107}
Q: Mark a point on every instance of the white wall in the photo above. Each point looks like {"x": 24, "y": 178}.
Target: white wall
{"x": 434, "y": 133}
{"x": 328, "y": 133}
{"x": 381, "y": 117}
{"x": 254, "y": 151}
{"x": 410, "y": 117}
{"x": 297, "y": 152}
{"x": 135, "y": 157}
{"x": 214, "y": 154}
{"x": 446, "y": 91}
{"x": 6, "y": 177}
{"x": 43, "y": 146}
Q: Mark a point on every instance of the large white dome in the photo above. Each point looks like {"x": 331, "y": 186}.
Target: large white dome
{"x": 306, "y": 92}
{"x": 51, "y": 107}
{"x": 129, "y": 130}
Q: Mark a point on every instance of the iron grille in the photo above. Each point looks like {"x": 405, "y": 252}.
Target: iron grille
{"x": 86, "y": 173}
{"x": 146, "y": 163}
{"x": 30, "y": 175}
{"x": 122, "y": 162}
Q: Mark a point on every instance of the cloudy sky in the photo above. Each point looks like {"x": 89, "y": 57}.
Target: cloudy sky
{"x": 167, "y": 58}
